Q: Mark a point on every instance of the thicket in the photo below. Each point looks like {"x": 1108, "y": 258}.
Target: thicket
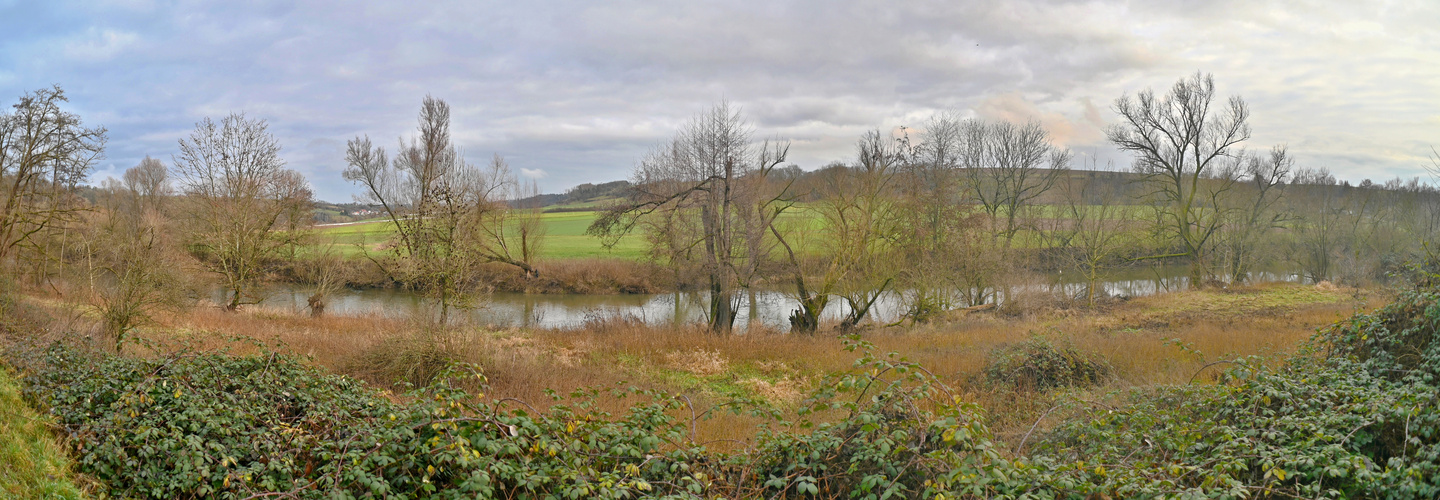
{"x": 1353, "y": 415}
{"x": 1041, "y": 364}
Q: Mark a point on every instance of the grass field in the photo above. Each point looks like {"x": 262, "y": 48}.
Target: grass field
{"x": 565, "y": 238}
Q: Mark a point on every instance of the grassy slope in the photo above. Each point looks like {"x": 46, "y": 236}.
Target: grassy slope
{"x": 32, "y": 465}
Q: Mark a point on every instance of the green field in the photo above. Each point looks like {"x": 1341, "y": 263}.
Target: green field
{"x": 565, "y": 238}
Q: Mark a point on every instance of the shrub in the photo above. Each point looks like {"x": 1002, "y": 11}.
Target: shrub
{"x": 212, "y": 425}
{"x": 1355, "y": 417}
{"x": 410, "y": 360}
{"x": 1042, "y": 364}
{"x": 902, "y": 434}
{"x": 1400, "y": 340}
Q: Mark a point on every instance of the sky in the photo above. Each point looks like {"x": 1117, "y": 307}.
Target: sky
{"x": 577, "y": 91}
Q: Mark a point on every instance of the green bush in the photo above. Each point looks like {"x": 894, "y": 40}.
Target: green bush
{"x": 212, "y": 425}
{"x": 1355, "y": 416}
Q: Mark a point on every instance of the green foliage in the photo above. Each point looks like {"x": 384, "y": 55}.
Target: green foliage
{"x": 1397, "y": 342}
{"x": 902, "y": 435}
{"x": 1355, "y": 416}
{"x": 1040, "y": 363}
{"x": 212, "y": 425}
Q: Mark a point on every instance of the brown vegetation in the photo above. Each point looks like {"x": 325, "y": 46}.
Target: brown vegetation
{"x": 1166, "y": 339}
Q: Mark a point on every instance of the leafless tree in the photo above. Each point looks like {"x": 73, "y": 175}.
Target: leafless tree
{"x": 501, "y": 227}
{"x": 149, "y": 182}
{"x": 700, "y": 186}
{"x": 237, "y": 195}
{"x": 450, "y": 217}
{"x": 1253, "y": 209}
{"x": 1092, "y": 234}
{"x": 1321, "y": 209}
{"x": 859, "y": 212}
{"x": 1179, "y": 140}
{"x": 1009, "y": 167}
{"x": 130, "y": 257}
{"x": 45, "y": 152}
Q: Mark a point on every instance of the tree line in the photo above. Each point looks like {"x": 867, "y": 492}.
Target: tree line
{"x": 962, "y": 211}
{"x": 955, "y": 212}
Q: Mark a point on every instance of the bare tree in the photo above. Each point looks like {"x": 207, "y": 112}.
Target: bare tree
{"x": 696, "y": 185}
{"x": 859, "y": 212}
{"x": 1179, "y": 141}
{"x": 450, "y": 217}
{"x": 45, "y": 152}
{"x": 130, "y": 257}
{"x": 237, "y": 194}
{"x": 934, "y": 229}
{"x": 148, "y": 182}
{"x": 1253, "y": 209}
{"x": 503, "y": 229}
{"x": 1319, "y": 228}
{"x": 1092, "y": 229}
{"x": 1008, "y": 168}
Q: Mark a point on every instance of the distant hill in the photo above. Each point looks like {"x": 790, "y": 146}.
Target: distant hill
{"x": 326, "y": 212}
{"x": 582, "y": 198}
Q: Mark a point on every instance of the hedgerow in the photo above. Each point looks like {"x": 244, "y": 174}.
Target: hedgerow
{"x": 1352, "y": 416}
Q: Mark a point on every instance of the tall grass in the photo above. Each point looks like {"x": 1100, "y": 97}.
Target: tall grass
{"x": 32, "y": 462}
{"x": 1164, "y": 339}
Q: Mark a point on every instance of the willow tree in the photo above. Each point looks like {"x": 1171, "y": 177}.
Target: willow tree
{"x": 703, "y": 189}
{"x": 1180, "y": 140}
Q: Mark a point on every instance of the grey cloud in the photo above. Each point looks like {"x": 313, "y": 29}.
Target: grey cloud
{"x": 580, "y": 89}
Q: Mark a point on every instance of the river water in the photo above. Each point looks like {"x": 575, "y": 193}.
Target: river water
{"x": 771, "y": 307}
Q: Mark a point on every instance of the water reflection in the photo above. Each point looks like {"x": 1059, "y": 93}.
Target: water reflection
{"x": 770, "y": 307}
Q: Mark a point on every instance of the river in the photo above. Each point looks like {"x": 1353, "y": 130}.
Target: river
{"x": 771, "y": 307}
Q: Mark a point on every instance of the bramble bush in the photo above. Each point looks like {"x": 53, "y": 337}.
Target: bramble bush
{"x": 1040, "y": 363}
{"x": 190, "y": 425}
{"x": 1354, "y": 415}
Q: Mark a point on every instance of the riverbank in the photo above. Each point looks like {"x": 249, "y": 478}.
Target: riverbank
{"x": 1004, "y": 379}
{"x": 1161, "y": 339}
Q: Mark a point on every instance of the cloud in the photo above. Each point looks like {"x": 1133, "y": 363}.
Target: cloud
{"x": 99, "y": 45}
{"x": 1064, "y": 131}
{"x": 579, "y": 90}
{"x": 532, "y": 173}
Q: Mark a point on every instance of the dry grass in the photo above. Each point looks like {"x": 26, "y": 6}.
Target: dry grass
{"x": 1163, "y": 339}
